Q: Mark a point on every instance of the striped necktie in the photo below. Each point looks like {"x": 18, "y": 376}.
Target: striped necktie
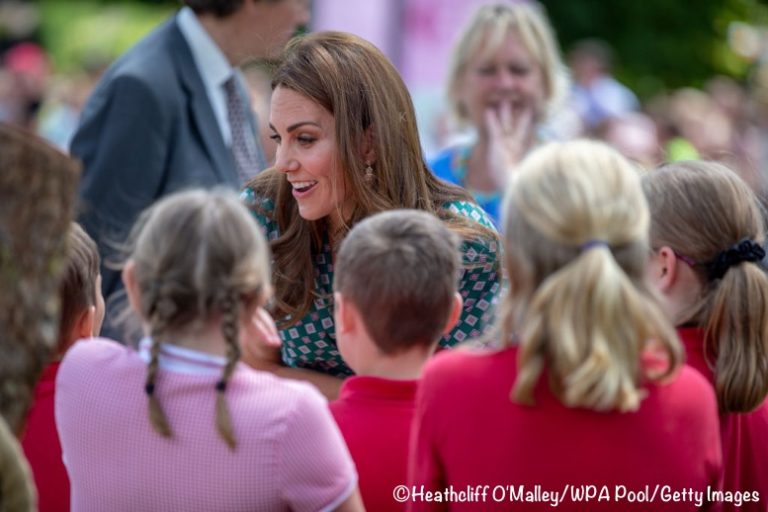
{"x": 246, "y": 151}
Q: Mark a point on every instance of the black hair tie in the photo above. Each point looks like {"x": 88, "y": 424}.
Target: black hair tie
{"x": 221, "y": 386}
{"x": 744, "y": 250}
{"x": 149, "y": 388}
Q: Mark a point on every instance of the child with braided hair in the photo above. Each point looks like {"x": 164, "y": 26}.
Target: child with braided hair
{"x": 707, "y": 235}
{"x": 197, "y": 274}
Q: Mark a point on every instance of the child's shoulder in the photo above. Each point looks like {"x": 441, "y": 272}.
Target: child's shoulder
{"x": 688, "y": 387}
{"x": 97, "y": 349}
{"x": 461, "y": 364}
{"x": 90, "y": 360}
{"x": 289, "y": 396}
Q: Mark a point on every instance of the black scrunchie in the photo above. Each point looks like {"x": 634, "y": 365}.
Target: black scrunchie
{"x": 744, "y": 250}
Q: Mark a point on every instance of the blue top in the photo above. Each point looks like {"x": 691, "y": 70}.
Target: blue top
{"x": 451, "y": 165}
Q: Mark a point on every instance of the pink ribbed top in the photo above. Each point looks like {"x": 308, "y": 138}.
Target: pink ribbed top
{"x": 290, "y": 454}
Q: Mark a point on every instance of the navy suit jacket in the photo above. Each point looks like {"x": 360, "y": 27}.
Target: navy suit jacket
{"x": 147, "y": 130}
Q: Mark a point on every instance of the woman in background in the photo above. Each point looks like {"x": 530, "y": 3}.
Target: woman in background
{"x": 505, "y": 77}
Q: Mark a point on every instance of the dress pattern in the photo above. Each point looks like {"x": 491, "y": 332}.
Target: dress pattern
{"x": 311, "y": 342}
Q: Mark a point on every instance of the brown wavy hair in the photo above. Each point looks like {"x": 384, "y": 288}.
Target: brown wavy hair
{"x": 354, "y": 81}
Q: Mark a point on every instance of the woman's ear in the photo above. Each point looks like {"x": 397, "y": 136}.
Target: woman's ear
{"x": 132, "y": 286}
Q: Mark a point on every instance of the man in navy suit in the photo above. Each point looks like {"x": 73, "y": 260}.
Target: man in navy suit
{"x": 164, "y": 116}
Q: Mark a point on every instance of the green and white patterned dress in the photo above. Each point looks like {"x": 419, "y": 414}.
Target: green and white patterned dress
{"x": 311, "y": 342}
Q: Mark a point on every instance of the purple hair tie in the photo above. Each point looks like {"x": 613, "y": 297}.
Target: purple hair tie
{"x": 591, "y": 244}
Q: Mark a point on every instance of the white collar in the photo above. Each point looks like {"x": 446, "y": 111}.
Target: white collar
{"x": 213, "y": 65}
{"x": 183, "y": 360}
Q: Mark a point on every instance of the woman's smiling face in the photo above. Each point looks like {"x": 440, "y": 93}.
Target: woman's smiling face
{"x": 507, "y": 73}
{"x": 307, "y": 152}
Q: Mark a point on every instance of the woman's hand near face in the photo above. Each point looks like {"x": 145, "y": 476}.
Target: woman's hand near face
{"x": 511, "y": 134}
{"x": 261, "y": 342}
{"x": 261, "y": 351}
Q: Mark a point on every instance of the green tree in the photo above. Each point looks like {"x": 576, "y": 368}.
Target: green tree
{"x": 660, "y": 44}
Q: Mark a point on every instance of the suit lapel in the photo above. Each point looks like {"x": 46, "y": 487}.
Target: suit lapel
{"x": 201, "y": 113}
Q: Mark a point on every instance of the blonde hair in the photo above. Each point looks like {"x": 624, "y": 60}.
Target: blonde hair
{"x": 576, "y": 236}
{"x": 700, "y": 209}
{"x": 197, "y": 254}
{"x": 487, "y": 30}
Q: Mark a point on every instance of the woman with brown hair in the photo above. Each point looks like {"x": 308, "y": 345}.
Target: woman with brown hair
{"x": 348, "y": 147}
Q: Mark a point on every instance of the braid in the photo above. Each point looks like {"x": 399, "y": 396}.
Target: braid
{"x": 156, "y": 415}
{"x": 230, "y": 310}
{"x": 196, "y": 257}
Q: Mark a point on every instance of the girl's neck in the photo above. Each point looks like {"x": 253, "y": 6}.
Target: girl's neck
{"x": 209, "y": 340}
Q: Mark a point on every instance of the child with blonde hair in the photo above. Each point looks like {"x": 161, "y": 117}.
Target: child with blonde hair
{"x": 589, "y": 390}
{"x": 181, "y": 424}
{"x": 707, "y": 234}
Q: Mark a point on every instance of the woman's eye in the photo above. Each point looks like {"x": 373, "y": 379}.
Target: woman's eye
{"x": 305, "y": 139}
{"x": 486, "y": 70}
{"x": 518, "y": 70}
{"x": 275, "y": 137}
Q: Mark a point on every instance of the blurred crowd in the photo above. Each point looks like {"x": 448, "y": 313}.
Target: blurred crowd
{"x": 725, "y": 119}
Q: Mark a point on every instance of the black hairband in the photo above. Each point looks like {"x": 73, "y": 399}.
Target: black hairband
{"x": 744, "y": 250}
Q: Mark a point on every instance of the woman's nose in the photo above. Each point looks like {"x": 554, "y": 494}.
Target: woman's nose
{"x": 284, "y": 162}
{"x": 506, "y": 79}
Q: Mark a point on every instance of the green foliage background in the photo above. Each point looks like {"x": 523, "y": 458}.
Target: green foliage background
{"x": 80, "y": 33}
{"x": 660, "y": 44}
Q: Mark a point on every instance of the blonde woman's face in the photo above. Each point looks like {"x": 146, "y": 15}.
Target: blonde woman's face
{"x": 307, "y": 153}
{"x": 508, "y": 74}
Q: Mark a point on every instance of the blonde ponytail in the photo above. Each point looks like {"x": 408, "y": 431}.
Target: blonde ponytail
{"x": 576, "y": 237}
{"x": 590, "y": 323}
